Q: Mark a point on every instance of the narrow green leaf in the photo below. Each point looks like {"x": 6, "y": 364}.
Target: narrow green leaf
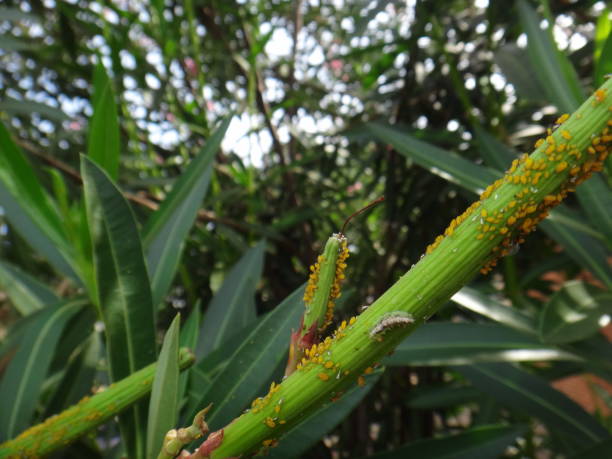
{"x": 588, "y": 252}
{"x": 123, "y": 291}
{"x": 26, "y": 293}
{"x": 484, "y": 441}
{"x": 527, "y": 393}
{"x": 475, "y": 301}
{"x": 299, "y": 439}
{"x": 22, "y": 382}
{"x": 603, "y": 64}
{"x": 596, "y": 200}
{"x": 29, "y": 208}
{"x": 573, "y": 313}
{"x": 189, "y": 339}
{"x": 27, "y": 107}
{"x": 553, "y": 69}
{"x": 78, "y": 377}
{"x": 448, "y": 343}
{"x": 15, "y": 14}
{"x": 14, "y": 44}
{"x": 517, "y": 68}
{"x": 233, "y": 306}
{"x": 103, "y": 145}
{"x": 251, "y": 366}
{"x": 163, "y": 405}
{"x": 597, "y": 451}
{"x": 167, "y": 228}
{"x": 445, "y": 164}
{"x": 442, "y": 396}
{"x": 495, "y": 153}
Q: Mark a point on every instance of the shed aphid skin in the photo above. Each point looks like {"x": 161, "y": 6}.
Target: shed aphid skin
{"x": 391, "y": 320}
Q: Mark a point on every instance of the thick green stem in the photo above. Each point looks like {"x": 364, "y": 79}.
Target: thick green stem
{"x": 492, "y": 227}
{"x": 60, "y": 430}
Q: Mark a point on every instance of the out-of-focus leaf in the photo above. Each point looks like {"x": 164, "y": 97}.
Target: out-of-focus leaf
{"x": 483, "y": 442}
{"x": 553, "y": 69}
{"x": 299, "y": 439}
{"x": 206, "y": 370}
{"x": 582, "y": 247}
{"x": 495, "y": 153}
{"x": 28, "y": 207}
{"x": 78, "y": 378}
{"x": 522, "y": 391}
{"x": 573, "y": 313}
{"x": 14, "y": 44}
{"x": 15, "y": 14}
{"x": 446, "y": 164}
{"x": 22, "y": 382}
{"x": 598, "y": 451}
{"x": 25, "y": 292}
{"x": 251, "y": 366}
{"x": 443, "y": 396}
{"x": 603, "y": 47}
{"x": 447, "y": 343}
{"x": 123, "y": 292}
{"x": 514, "y": 64}
{"x": 596, "y": 200}
{"x": 477, "y": 302}
{"x": 589, "y": 252}
{"x": 103, "y": 145}
{"x": 167, "y": 228}
{"x": 233, "y": 306}
{"x": 188, "y": 339}
{"x": 27, "y": 107}
{"x": 164, "y": 402}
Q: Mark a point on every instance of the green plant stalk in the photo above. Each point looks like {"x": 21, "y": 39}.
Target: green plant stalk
{"x": 60, "y": 430}
{"x": 321, "y": 291}
{"x": 471, "y": 243}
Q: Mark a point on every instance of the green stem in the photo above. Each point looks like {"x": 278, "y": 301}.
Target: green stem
{"x": 507, "y": 211}
{"x": 60, "y": 430}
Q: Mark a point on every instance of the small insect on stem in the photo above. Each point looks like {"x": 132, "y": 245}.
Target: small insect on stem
{"x": 389, "y": 321}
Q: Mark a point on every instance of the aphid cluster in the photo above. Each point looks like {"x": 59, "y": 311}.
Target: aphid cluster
{"x": 520, "y": 215}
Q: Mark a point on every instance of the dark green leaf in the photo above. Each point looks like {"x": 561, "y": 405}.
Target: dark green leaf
{"x": 167, "y": 228}
{"x": 28, "y": 207}
{"x": 233, "y": 306}
{"x": 603, "y": 47}
{"x": 514, "y": 64}
{"x": 598, "y": 451}
{"x": 189, "y": 339}
{"x": 251, "y": 366}
{"x": 22, "y": 382}
{"x": 553, "y": 69}
{"x": 164, "y": 402}
{"x": 573, "y": 313}
{"x": 495, "y": 153}
{"x": 447, "y": 343}
{"x": 446, "y": 164}
{"x": 103, "y": 145}
{"x": 444, "y": 396}
{"x": 123, "y": 291}
{"x": 25, "y": 292}
{"x": 596, "y": 200}
{"x": 27, "y": 107}
{"x": 527, "y": 393}
{"x": 480, "y": 442}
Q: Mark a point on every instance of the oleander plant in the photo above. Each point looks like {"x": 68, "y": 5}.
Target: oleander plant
{"x": 305, "y": 229}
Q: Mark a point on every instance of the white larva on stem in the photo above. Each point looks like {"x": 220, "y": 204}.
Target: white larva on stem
{"x": 388, "y": 321}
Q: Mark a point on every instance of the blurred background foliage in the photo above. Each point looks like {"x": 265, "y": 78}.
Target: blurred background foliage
{"x": 312, "y": 88}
